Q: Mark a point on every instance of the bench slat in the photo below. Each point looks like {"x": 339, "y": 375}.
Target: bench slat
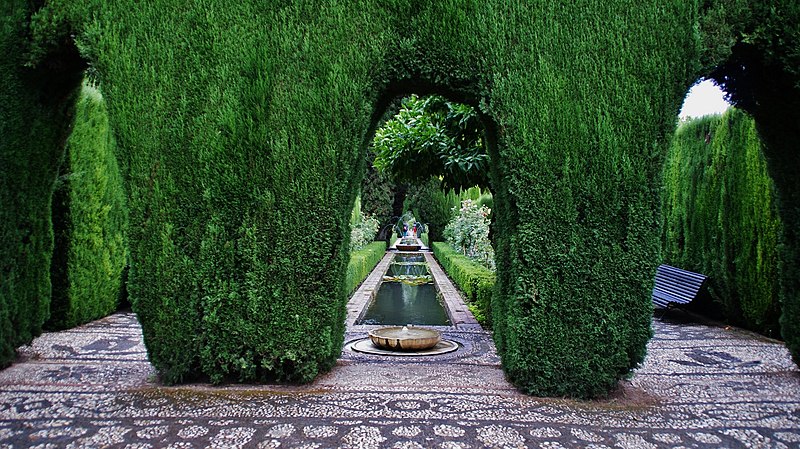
{"x": 670, "y": 269}
{"x": 678, "y": 297}
{"x": 678, "y": 277}
{"x": 685, "y": 291}
{"x": 671, "y": 285}
{"x": 675, "y": 285}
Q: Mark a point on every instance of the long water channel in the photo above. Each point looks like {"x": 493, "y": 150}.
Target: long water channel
{"x": 407, "y": 295}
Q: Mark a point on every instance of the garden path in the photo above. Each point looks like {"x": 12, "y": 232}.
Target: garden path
{"x": 700, "y": 386}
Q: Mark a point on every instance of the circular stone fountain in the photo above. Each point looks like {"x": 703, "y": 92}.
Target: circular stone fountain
{"x": 403, "y": 341}
{"x": 405, "y": 338}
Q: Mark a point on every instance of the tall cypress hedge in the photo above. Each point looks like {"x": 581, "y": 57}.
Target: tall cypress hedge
{"x": 377, "y": 195}
{"x": 35, "y": 112}
{"x": 242, "y": 128}
{"x": 721, "y": 218}
{"x": 754, "y": 50}
{"x": 89, "y": 220}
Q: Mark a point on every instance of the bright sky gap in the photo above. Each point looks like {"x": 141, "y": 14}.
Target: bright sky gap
{"x": 704, "y": 98}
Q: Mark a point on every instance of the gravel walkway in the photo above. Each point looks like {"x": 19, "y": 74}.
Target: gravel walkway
{"x": 700, "y": 386}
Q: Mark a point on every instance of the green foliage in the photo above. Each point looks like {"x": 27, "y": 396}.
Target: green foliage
{"x": 720, "y": 216}
{"x": 363, "y": 231}
{"x": 576, "y": 175}
{"x": 468, "y": 233}
{"x": 474, "y": 280}
{"x": 242, "y": 128}
{"x": 89, "y": 219}
{"x": 425, "y": 239}
{"x": 485, "y": 199}
{"x": 433, "y": 137}
{"x": 34, "y": 122}
{"x": 747, "y": 42}
{"x": 377, "y": 195}
{"x": 361, "y": 264}
{"x": 356, "y": 214}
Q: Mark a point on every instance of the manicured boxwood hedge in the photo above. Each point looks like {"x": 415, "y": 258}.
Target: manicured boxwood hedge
{"x": 242, "y": 128}
{"x": 721, "y": 218}
{"x": 474, "y": 280}
{"x": 361, "y": 264}
{"x": 89, "y": 220}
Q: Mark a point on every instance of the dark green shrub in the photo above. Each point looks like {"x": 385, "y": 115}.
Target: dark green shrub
{"x": 377, "y": 195}
{"x": 37, "y": 91}
{"x": 720, "y": 216}
{"x": 89, "y": 220}
{"x": 361, "y": 264}
{"x": 486, "y": 199}
{"x": 474, "y": 280}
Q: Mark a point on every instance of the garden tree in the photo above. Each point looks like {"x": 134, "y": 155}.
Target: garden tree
{"x": 720, "y": 216}
{"x": 242, "y": 128}
{"x": 431, "y": 136}
{"x": 377, "y": 194}
{"x": 435, "y": 146}
{"x": 89, "y": 220}
{"x": 431, "y": 205}
{"x": 380, "y": 195}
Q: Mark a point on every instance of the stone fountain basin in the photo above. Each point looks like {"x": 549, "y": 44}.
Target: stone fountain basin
{"x": 405, "y": 338}
{"x": 401, "y": 247}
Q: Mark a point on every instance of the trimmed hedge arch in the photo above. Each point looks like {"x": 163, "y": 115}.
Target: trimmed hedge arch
{"x": 241, "y": 132}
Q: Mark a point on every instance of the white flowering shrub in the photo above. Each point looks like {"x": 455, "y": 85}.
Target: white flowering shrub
{"x": 468, "y": 233}
{"x": 362, "y": 231}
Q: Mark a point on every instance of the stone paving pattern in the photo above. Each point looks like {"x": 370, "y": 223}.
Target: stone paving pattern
{"x": 701, "y": 386}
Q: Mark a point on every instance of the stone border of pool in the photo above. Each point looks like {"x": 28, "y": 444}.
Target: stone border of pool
{"x": 458, "y": 312}
{"x": 367, "y": 290}
{"x": 460, "y": 316}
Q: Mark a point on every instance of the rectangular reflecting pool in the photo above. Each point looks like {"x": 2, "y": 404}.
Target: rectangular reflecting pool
{"x": 403, "y": 302}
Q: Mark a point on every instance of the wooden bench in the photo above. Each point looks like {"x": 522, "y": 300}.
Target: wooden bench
{"x": 675, "y": 286}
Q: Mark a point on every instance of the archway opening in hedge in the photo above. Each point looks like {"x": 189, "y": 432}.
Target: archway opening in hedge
{"x": 720, "y": 214}
{"x": 425, "y": 155}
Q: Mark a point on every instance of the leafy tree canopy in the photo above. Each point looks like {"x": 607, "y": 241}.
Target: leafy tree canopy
{"x": 432, "y": 136}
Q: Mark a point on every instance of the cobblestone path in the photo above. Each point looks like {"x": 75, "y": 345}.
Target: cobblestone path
{"x": 700, "y": 386}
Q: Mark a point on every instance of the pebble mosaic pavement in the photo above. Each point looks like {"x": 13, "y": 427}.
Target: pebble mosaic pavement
{"x": 700, "y": 387}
